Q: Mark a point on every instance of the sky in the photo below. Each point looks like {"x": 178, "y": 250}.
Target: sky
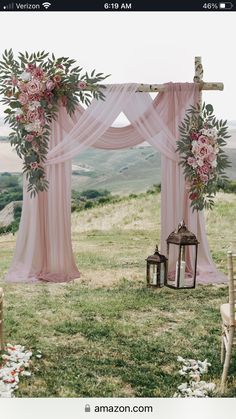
{"x": 143, "y": 47}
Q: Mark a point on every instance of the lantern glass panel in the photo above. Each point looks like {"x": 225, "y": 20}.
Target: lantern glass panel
{"x": 182, "y": 248}
{"x": 153, "y": 274}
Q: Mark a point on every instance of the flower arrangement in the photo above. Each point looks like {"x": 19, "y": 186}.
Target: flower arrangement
{"x": 194, "y": 386}
{"x": 33, "y": 87}
{"x": 14, "y": 363}
{"x": 202, "y": 156}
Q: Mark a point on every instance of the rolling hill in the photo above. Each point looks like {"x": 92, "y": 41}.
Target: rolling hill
{"x": 124, "y": 171}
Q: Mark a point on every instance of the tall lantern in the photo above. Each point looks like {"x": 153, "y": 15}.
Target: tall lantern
{"x": 156, "y": 270}
{"x": 181, "y": 277}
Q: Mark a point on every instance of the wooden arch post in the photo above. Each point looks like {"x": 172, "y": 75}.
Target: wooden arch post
{"x": 198, "y": 76}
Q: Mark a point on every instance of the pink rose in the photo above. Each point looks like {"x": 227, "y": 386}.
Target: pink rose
{"x": 34, "y": 87}
{"x": 23, "y": 98}
{"x": 205, "y": 169}
{"x": 203, "y": 139}
{"x": 38, "y": 73}
{"x": 34, "y": 165}
{"x": 82, "y": 85}
{"x": 50, "y": 85}
{"x": 29, "y": 138}
{"x": 203, "y": 151}
{"x": 32, "y": 115}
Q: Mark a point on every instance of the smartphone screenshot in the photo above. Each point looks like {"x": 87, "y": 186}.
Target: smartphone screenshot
{"x": 117, "y": 209}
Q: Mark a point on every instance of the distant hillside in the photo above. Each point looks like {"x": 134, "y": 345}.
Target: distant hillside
{"x": 120, "y": 171}
{"x": 125, "y": 171}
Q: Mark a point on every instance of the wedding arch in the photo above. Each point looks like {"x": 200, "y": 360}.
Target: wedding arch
{"x": 43, "y": 248}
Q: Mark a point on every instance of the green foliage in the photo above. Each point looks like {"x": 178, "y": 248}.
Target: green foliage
{"x": 155, "y": 189}
{"x": 32, "y": 116}
{"x": 91, "y": 198}
{"x": 10, "y": 190}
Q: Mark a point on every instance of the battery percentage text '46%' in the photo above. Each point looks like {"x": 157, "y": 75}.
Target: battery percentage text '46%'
{"x": 210, "y": 6}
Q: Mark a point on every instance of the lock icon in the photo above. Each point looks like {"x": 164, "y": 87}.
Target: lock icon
{"x": 87, "y": 408}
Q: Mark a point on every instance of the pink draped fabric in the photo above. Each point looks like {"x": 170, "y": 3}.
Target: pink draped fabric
{"x": 43, "y": 249}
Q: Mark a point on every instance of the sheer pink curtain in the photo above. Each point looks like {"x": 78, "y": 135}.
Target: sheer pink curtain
{"x": 43, "y": 249}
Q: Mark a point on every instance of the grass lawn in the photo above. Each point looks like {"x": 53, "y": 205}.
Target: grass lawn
{"x": 107, "y": 334}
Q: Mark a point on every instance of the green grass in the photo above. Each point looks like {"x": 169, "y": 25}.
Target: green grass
{"x": 107, "y": 334}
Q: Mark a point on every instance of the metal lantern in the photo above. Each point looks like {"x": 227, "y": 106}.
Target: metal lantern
{"x": 181, "y": 277}
{"x": 156, "y": 270}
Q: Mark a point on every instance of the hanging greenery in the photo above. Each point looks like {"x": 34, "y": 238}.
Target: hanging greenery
{"x": 33, "y": 87}
{"x": 202, "y": 138}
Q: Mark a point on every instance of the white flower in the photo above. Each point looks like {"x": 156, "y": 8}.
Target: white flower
{"x": 194, "y": 144}
{"x": 18, "y": 111}
{"x": 33, "y": 126}
{"x": 198, "y": 393}
{"x": 26, "y": 373}
{"x": 34, "y": 105}
{"x": 192, "y": 370}
{"x": 212, "y": 133}
{"x": 25, "y": 76}
{"x": 14, "y": 363}
{"x": 200, "y": 162}
{"x": 214, "y": 163}
{"x": 183, "y": 386}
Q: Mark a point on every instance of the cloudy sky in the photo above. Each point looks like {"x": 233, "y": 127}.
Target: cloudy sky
{"x": 145, "y": 47}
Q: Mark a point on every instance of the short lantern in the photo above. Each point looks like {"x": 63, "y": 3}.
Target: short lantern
{"x": 180, "y": 276}
{"x": 156, "y": 270}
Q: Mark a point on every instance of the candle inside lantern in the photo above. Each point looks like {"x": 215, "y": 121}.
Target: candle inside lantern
{"x": 181, "y": 274}
{"x": 154, "y": 275}
{"x": 162, "y": 275}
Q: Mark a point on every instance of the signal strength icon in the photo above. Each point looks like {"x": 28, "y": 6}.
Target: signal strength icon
{"x": 46, "y": 4}
{"x": 9, "y": 6}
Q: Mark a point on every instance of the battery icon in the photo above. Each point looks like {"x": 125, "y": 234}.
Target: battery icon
{"x": 226, "y": 6}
